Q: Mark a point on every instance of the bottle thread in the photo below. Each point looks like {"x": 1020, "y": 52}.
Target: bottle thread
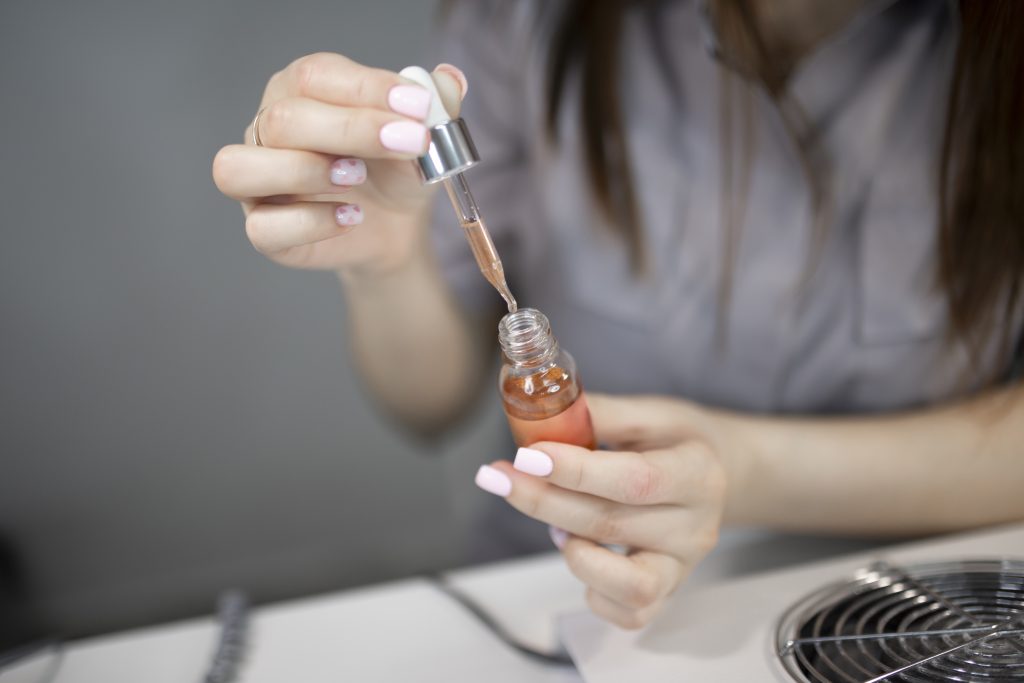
{"x": 525, "y": 338}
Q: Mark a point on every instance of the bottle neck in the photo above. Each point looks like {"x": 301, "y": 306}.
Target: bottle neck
{"x": 526, "y": 339}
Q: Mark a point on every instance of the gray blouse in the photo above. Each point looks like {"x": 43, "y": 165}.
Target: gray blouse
{"x": 864, "y": 334}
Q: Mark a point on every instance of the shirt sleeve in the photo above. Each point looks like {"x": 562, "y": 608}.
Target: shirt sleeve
{"x": 488, "y": 42}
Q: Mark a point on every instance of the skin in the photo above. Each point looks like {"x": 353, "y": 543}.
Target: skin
{"x": 320, "y": 108}
{"x": 679, "y": 470}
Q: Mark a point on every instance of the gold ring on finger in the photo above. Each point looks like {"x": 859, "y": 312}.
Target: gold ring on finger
{"x": 255, "y": 128}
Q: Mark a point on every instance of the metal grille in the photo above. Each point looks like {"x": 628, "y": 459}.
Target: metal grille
{"x": 954, "y": 621}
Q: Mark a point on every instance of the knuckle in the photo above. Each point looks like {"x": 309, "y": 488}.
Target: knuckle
{"x": 706, "y": 480}
{"x": 642, "y": 591}
{"x": 577, "y": 476}
{"x": 361, "y": 88}
{"x": 276, "y": 118}
{"x": 642, "y": 483}
{"x": 531, "y": 504}
{"x": 600, "y": 606}
{"x": 308, "y": 71}
{"x": 277, "y": 78}
{"x": 607, "y": 527}
{"x": 345, "y": 128}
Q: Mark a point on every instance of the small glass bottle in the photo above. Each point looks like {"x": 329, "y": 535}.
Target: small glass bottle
{"x": 540, "y": 388}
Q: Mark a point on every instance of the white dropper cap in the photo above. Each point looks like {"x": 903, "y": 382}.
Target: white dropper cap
{"x": 437, "y": 114}
{"x": 451, "y": 149}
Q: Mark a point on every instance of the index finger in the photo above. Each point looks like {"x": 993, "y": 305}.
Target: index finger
{"x": 336, "y": 79}
{"x": 667, "y": 476}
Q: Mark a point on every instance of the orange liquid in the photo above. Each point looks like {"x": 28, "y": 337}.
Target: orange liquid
{"x": 487, "y": 260}
{"x": 572, "y": 425}
{"x": 547, "y": 406}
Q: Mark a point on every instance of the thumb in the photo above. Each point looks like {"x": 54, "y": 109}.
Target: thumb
{"x": 639, "y": 422}
{"x": 452, "y": 85}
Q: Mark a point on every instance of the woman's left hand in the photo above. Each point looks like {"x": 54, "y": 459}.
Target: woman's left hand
{"x": 661, "y": 497}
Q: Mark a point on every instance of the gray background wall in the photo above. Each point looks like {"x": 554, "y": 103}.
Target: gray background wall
{"x": 178, "y": 414}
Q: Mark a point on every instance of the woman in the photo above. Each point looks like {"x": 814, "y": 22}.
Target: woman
{"x": 794, "y": 227}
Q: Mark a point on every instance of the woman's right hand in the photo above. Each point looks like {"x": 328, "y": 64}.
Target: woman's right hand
{"x": 332, "y": 186}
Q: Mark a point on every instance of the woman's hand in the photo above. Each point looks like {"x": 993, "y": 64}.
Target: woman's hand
{"x": 332, "y": 186}
{"x": 662, "y": 498}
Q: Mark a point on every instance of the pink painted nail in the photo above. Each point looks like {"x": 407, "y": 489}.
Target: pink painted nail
{"x": 457, "y": 74}
{"x": 348, "y": 214}
{"x": 404, "y": 136}
{"x": 558, "y": 536}
{"x": 533, "y": 462}
{"x": 348, "y": 172}
{"x": 411, "y": 100}
{"x": 493, "y": 481}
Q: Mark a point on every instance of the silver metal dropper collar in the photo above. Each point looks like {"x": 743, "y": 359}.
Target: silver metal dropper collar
{"x": 451, "y": 150}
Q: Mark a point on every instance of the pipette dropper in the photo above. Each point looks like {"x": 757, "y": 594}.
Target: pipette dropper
{"x": 450, "y": 153}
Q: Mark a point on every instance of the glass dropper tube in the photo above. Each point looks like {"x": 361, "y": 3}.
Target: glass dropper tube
{"x": 479, "y": 238}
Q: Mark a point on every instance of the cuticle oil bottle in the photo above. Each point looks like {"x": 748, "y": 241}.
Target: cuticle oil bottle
{"x": 539, "y": 384}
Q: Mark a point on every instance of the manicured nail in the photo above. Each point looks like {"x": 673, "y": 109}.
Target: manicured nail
{"x": 456, "y": 73}
{"x": 404, "y": 136}
{"x": 411, "y": 100}
{"x": 493, "y": 481}
{"x": 348, "y": 214}
{"x": 558, "y": 536}
{"x": 533, "y": 462}
{"x": 348, "y": 172}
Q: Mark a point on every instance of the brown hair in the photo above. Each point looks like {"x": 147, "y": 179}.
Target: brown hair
{"x": 980, "y": 179}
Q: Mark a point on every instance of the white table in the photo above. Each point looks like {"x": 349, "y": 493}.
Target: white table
{"x": 400, "y": 631}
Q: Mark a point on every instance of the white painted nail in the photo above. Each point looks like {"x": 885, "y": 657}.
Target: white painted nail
{"x": 530, "y": 461}
{"x": 493, "y": 481}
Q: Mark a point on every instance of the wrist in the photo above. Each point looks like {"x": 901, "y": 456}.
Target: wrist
{"x": 379, "y": 273}
{"x": 734, "y": 437}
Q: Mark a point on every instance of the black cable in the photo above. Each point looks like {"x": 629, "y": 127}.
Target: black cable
{"x": 233, "y": 614}
{"x": 551, "y": 658}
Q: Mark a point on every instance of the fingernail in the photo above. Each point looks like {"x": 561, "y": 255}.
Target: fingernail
{"x": 411, "y": 100}
{"x": 558, "y": 536}
{"x": 456, "y": 72}
{"x": 348, "y": 172}
{"x": 404, "y": 136}
{"x": 493, "y": 481}
{"x": 348, "y": 214}
{"x": 533, "y": 462}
